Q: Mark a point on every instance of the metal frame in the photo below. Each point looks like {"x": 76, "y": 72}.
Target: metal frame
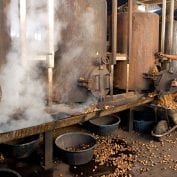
{"x": 49, "y": 127}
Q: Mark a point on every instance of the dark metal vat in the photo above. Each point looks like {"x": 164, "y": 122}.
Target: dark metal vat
{"x": 145, "y": 37}
{"x": 104, "y": 125}
{"x": 5, "y": 172}
{"x": 70, "y": 147}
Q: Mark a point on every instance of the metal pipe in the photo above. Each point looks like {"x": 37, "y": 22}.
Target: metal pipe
{"x": 51, "y": 49}
{"x": 114, "y": 43}
{"x": 23, "y": 31}
{"x": 171, "y": 24}
{"x": 163, "y": 26}
{"x": 129, "y": 47}
{"x": 114, "y": 31}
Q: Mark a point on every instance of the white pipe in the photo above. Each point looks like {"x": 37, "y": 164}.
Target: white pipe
{"x": 51, "y": 49}
{"x": 23, "y": 30}
{"x": 51, "y": 32}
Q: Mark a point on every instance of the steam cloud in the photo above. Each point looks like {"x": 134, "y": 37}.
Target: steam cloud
{"x": 78, "y": 52}
{"x": 24, "y": 86}
{"x": 23, "y": 89}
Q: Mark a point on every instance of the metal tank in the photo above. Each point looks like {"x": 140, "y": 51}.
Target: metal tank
{"x": 80, "y": 57}
{"x": 79, "y": 62}
{"x": 4, "y": 37}
{"x": 145, "y": 37}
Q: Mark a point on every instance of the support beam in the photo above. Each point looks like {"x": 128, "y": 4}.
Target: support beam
{"x": 48, "y": 150}
{"x": 60, "y": 123}
{"x": 171, "y": 24}
{"x": 129, "y": 47}
{"x": 114, "y": 43}
{"x": 131, "y": 117}
{"x": 23, "y": 31}
{"x": 51, "y": 49}
{"x": 163, "y": 28}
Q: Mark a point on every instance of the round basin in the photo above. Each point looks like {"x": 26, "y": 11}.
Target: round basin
{"x": 76, "y": 148}
{"x": 5, "y": 172}
{"x": 21, "y": 148}
{"x": 104, "y": 125}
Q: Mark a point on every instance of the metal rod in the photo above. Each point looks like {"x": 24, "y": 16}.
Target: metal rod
{"x": 163, "y": 26}
{"x": 51, "y": 49}
{"x": 23, "y": 31}
{"x": 114, "y": 31}
{"x": 171, "y": 24}
{"x": 114, "y": 43}
{"x": 129, "y": 51}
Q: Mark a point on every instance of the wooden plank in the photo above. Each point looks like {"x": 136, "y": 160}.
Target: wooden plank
{"x": 4, "y": 137}
{"x": 152, "y": 1}
{"x": 48, "y": 149}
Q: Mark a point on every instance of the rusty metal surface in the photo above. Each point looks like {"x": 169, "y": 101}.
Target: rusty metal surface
{"x": 83, "y": 44}
{"x": 4, "y": 37}
{"x": 145, "y": 37}
{"x": 8, "y": 136}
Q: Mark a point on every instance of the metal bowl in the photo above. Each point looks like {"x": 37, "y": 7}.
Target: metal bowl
{"x": 21, "y": 148}
{"x": 76, "y": 148}
{"x": 104, "y": 125}
{"x": 5, "y": 172}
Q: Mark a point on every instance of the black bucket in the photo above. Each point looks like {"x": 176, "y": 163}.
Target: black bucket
{"x": 21, "y": 148}
{"x": 5, "y": 172}
{"x": 104, "y": 125}
{"x": 144, "y": 119}
{"x": 76, "y": 148}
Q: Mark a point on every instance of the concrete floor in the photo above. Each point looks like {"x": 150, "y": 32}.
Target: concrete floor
{"x": 153, "y": 159}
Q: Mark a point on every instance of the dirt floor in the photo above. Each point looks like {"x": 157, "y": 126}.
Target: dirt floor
{"x": 135, "y": 155}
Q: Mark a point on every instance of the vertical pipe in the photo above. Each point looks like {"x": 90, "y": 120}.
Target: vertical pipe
{"x": 114, "y": 31}
{"x": 171, "y": 24}
{"x": 23, "y": 31}
{"x": 129, "y": 51}
{"x": 114, "y": 43}
{"x": 163, "y": 26}
{"x": 51, "y": 49}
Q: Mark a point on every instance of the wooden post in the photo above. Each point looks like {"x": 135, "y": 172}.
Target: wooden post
{"x": 48, "y": 150}
{"x": 129, "y": 47}
{"x": 163, "y": 26}
{"x": 23, "y": 31}
{"x": 51, "y": 49}
{"x": 171, "y": 24}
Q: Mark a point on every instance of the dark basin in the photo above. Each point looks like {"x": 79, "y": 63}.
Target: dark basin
{"x": 21, "y": 148}
{"x": 5, "y": 172}
{"x": 104, "y": 125}
{"x": 76, "y": 148}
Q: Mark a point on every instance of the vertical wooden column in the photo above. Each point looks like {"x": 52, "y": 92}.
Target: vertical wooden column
{"x": 163, "y": 28}
{"x": 171, "y": 24}
{"x": 131, "y": 117}
{"x": 23, "y": 31}
{"x": 51, "y": 49}
{"x": 114, "y": 43}
{"x": 48, "y": 150}
{"x": 129, "y": 47}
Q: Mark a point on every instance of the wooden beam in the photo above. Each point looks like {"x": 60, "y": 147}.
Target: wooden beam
{"x": 152, "y": 1}
{"x": 50, "y": 126}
